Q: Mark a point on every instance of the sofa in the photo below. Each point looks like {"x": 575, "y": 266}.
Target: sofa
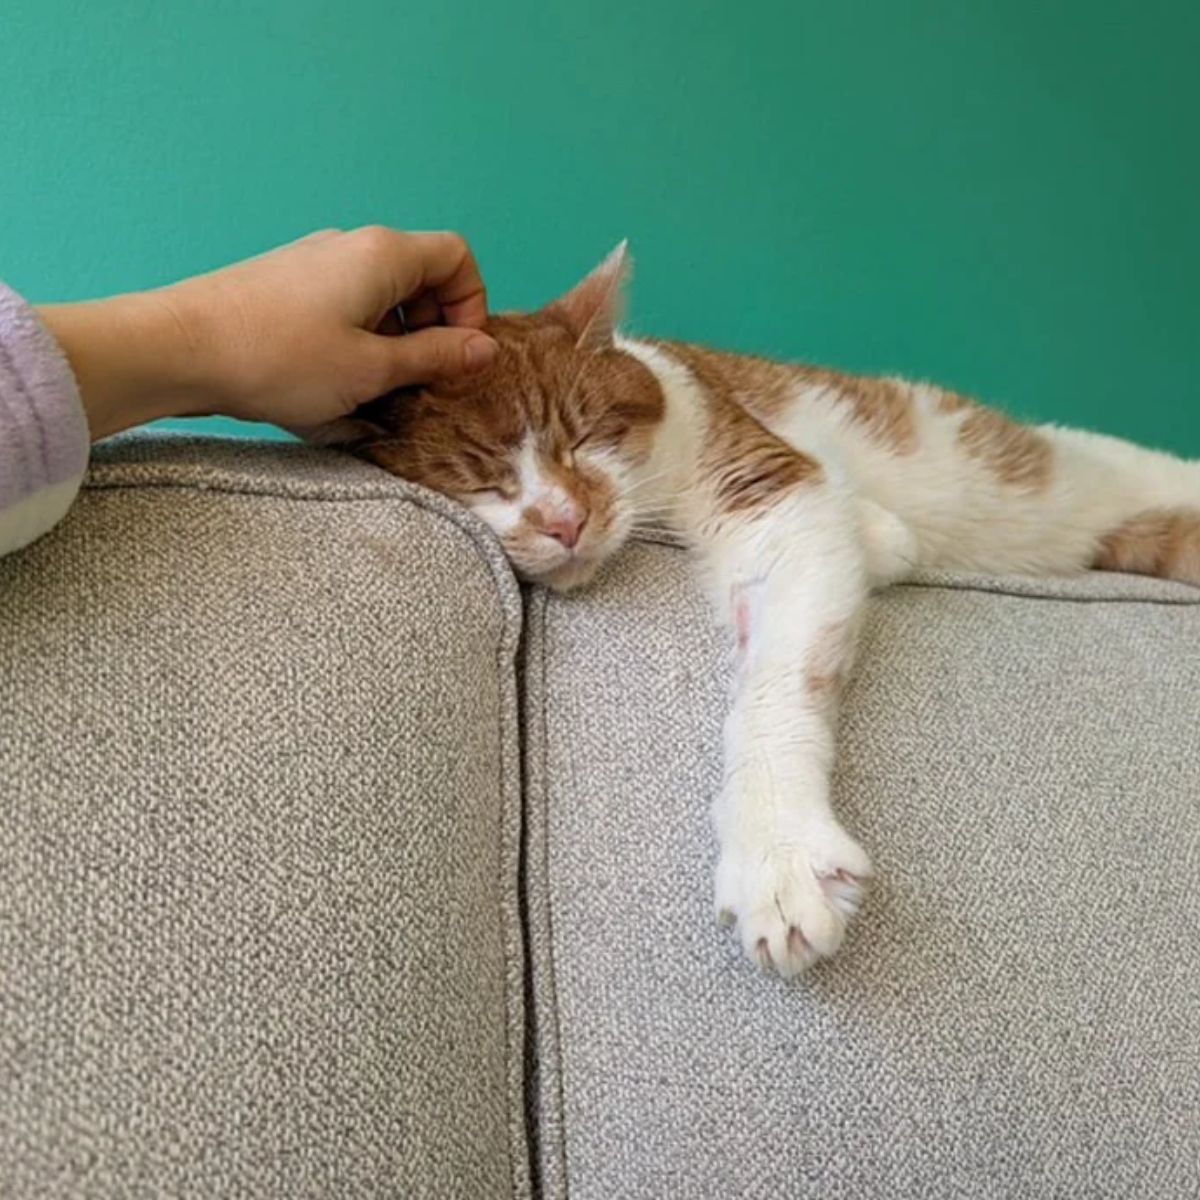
{"x": 335, "y": 863}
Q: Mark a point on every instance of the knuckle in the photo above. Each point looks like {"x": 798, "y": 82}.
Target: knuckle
{"x": 375, "y": 239}
{"x": 451, "y": 245}
{"x": 442, "y": 356}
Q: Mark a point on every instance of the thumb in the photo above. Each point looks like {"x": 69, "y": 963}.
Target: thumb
{"x": 432, "y": 354}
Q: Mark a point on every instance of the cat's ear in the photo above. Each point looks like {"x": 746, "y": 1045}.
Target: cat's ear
{"x": 375, "y": 421}
{"x": 347, "y": 431}
{"x": 591, "y": 310}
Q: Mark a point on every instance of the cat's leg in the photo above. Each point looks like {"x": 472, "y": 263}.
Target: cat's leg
{"x": 791, "y": 574}
{"x": 890, "y": 545}
{"x": 991, "y": 495}
{"x": 1140, "y": 508}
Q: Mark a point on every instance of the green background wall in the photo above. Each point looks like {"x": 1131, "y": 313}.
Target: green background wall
{"x": 1001, "y": 194}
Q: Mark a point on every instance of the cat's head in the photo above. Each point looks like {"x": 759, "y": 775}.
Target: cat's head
{"x": 544, "y": 445}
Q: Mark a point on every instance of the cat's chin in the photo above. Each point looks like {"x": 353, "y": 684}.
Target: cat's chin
{"x": 569, "y": 576}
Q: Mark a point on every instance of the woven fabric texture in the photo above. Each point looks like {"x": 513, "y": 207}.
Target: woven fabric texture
{"x": 259, "y": 787}
{"x": 1016, "y": 1012}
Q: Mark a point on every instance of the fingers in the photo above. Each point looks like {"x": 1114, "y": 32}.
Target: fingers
{"x": 437, "y": 263}
{"x": 418, "y": 313}
{"x": 430, "y": 354}
{"x": 450, "y": 272}
{"x": 422, "y": 311}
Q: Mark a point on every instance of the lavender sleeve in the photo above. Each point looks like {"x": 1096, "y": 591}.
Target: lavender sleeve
{"x": 43, "y": 429}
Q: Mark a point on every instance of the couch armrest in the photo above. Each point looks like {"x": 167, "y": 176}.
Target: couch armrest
{"x": 258, "y": 924}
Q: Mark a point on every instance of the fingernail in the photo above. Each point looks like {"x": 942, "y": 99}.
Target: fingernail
{"x": 479, "y": 352}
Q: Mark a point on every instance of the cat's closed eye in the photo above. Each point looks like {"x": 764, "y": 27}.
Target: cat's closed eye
{"x": 567, "y": 457}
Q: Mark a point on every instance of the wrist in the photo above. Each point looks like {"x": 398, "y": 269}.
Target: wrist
{"x": 134, "y": 357}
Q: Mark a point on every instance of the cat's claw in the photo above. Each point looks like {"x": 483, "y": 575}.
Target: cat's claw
{"x": 791, "y": 902}
{"x": 844, "y": 891}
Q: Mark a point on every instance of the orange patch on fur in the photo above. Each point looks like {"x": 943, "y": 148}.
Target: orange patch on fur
{"x": 1160, "y": 541}
{"x": 759, "y": 385}
{"x": 747, "y": 465}
{"x": 1015, "y": 454}
{"x": 825, "y": 671}
{"x": 953, "y": 402}
{"x": 884, "y": 407}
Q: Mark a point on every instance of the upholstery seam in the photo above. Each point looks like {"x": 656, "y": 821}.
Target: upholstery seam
{"x": 1161, "y": 602}
{"x": 368, "y": 492}
{"x": 560, "y": 1072}
{"x": 665, "y": 538}
{"x": 515, "y": 1121}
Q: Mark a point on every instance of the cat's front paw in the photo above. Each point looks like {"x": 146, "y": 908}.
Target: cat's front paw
{"x": 791, "y": 901}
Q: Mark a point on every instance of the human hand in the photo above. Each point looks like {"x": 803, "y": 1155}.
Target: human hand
{"x": 297, "y": 336}
{"x": 292, "y": 337}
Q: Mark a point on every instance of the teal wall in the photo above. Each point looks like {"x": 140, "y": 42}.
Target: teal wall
{"x": 1000, "y": 194}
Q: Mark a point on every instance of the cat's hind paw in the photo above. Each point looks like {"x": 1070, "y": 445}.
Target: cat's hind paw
{"x": 791, "y": 902}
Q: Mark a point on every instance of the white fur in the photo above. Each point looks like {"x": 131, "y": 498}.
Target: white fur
{"x": 781, "y": 847}
{"x": 788, "y": 873}
{"x": 792, "y": 571}
{"x": 665, "y": 480}
{"x": 535, "y": 490}
{"x": 502, "y": 515}
{"x": 538, "y": 555}
{"x": 960, "y": 515}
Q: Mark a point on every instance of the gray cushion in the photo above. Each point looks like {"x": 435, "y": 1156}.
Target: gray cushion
{"x": 1017, "y": 1010}
{"x": 258, "y": 929}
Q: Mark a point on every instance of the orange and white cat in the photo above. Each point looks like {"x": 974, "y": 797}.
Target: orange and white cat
{"x": 799, "y": 489}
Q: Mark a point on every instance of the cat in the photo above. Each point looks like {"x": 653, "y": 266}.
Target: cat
{"x": 799, "y": 489}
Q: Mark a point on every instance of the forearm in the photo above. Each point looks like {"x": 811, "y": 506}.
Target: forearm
{"x": 134, "y": 359}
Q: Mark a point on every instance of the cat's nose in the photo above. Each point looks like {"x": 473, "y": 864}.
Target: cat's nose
{"x": 566, "y": 527}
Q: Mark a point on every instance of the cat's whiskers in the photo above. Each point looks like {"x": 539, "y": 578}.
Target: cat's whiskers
{"x": 641, "y": 496}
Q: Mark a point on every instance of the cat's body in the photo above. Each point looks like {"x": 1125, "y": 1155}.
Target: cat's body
{"x": 798, "y": 489}
{"x": 975, "y": 490}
